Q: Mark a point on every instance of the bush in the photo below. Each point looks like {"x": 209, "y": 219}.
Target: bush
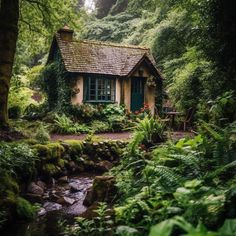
{"x": 18, "y": 159}
{"x": 64, "y": 125}
{"x": 117, "y": 122}
{"x": 100, "y": 126}
{"x": 113, "y": 109}
{"x": 151, "y": 129}
{"x": 42, "y": 134}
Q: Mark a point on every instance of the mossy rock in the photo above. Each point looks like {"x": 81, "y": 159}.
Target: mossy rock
{"x": 51, "y": 151}
{"x": 75, "y": 147}
{"x": 24, "y": 210}
{"x": 61, "y": 163}
{"x": 50, "y": 169}
{"x": 8, "y": 183}
{"x": 9, "y": 189}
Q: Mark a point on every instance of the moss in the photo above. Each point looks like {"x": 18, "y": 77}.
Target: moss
{"x": 61, "y": 163}
{"x": 51, "y": 151}
{"x": 51, "y": 169}
{"x": 75, "y": 147}
{"x": 9, "y": 189}
{"x": 24, "y": 209}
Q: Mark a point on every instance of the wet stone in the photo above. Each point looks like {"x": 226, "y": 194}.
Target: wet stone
{"x": 52, "y": 206}
{"x": 33, "y": 188}
{"x": 66, "y": 201}
{"x": 63, "y": 179}
{"x": 42, "y": 212}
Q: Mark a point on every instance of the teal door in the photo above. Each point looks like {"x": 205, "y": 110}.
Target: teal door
{"x": 137, "y": 93}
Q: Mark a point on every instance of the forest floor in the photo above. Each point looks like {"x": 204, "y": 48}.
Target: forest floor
{"x": 119, "y": 136}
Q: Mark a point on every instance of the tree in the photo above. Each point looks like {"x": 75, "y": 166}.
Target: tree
{"x": 41, "y": 18}
{"x": 9, "y": 17}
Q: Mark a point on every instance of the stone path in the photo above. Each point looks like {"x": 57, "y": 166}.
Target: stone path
{"x": 117, "y": 136}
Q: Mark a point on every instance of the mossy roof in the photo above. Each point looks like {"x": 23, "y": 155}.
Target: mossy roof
{"x": 95, "y": 57}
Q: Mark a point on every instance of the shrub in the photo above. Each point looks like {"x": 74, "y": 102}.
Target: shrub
{"x": 42, "y": 134}
{"x": 151, "y": 130}
{"x": 100, "y": 126}
{"x": 113, "y": 109}
{"x": 117, "y": 122}
{"x": 64, "y": 125}
{"x": 18, "y": 159}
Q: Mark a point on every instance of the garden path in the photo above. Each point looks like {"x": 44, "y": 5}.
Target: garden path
{"x": 118, "y": 136}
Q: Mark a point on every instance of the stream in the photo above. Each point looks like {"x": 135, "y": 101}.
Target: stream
{"x": 62, "y": 200}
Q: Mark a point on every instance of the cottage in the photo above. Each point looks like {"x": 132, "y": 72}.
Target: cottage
{"x": 107, "y": 73}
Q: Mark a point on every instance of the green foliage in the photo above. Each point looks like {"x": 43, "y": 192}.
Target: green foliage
{"x": 42, "y": 134}
{"x": 17, "y": 159}
{"x": 166, "y": 228}
{"x": 98, "y": 226}
{"x": 186, "y": 179}
{"x": 100, "y": 126}
{"x": 64, "y": 125}
{"x": 113, "y": 109}
{"x": 150, "y": 129}
{"x": 25, "y": 210}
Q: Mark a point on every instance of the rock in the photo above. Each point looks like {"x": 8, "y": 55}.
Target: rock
{"x": 104, "y": 166}
{"x": 63, "y": 179}
{"x": 54, "y": 197}
{"x": 33, "y": 188}
{"x": 41, "y": 212}
{"x": 76, "y": 209}
{"x": 103, "y": 189}
{"x": 66, "y": 201}
{"x": 52, "y": 206}
{"x": 74, "y": 187}
{"x": 41, "y": 184}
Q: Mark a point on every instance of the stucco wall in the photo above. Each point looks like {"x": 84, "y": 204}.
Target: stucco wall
{"x": 118, "y": 91}
{"x": 127, "y": 93}
{"x": 78, "y": 98}
{"x": 149, "y": 93}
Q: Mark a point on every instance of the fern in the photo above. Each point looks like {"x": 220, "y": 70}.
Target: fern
{"x": 189, "y": 160}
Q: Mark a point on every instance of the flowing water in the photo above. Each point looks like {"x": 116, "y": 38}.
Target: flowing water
{"x": 51, "y": 212}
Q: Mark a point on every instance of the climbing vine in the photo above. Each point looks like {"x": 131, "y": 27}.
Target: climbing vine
{"x": 56, "y": 84}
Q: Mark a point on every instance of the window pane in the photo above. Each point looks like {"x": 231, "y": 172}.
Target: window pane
{"x": 100, "y": 89}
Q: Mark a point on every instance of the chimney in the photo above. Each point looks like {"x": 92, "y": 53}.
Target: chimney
{"x": 66, "y": 33}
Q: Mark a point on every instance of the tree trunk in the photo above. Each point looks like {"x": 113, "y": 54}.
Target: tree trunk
{"x": 9, "y": 16}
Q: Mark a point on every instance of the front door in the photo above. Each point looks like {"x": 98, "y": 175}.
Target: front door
{"x": 137, "y": 93}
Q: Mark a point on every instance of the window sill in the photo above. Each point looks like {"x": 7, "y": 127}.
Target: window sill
{"x": 97, "y": 101}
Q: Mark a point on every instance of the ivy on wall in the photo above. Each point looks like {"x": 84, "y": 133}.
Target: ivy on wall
{"x": 55, "y": 82}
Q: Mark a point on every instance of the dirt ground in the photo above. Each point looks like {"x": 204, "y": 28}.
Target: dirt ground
{"x": 118, "y": 136}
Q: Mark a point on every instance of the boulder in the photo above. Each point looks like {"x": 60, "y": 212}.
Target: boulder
{"x": 75, "y": 187}
{"x": 52, "y": 206}
{"x": 103, "y": 190}
{"x": 66, "y": 201}
{"x": 41, "y": 184}
{"x": 33, "y": 188}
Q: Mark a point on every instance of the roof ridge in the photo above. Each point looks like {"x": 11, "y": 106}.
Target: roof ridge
{"x": 111, "y": 44}
{"x": 105, "y": 43}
